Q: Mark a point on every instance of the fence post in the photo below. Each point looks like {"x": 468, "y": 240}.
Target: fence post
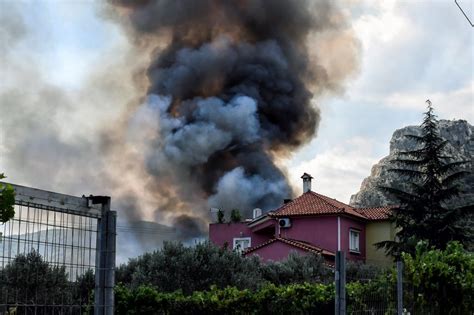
{"x": 340, "y": 278}
{"x": 337, "y": 280}
{"x": 110, "y": 263}
{"x": 399, "y": 288}
{"x": 99, "y": 270}
{"x": 105, "y": 258}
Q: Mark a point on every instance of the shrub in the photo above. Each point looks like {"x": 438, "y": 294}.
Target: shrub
{"x": 441, "y": 279}
{"x": 298, "y": 268}
{"x": 209, "y": 280}
{"x": 270, "y": 299}
{"x": 176, "y": 267}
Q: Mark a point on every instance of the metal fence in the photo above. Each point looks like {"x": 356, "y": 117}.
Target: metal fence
{"x": 369, "y": 288}
{"x": 386, "y": 288}
{"x": 57, "y": 255}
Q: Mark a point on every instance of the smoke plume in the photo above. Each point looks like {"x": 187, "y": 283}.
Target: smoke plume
{"x": 231, "y": 87}
{"x": 191, "y": 109}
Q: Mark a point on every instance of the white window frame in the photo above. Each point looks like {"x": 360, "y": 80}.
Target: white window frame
{"x": 237, "y": 239}
{"x": 356, "y": 234}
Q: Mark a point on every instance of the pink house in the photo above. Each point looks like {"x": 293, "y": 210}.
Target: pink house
{"x": 310, "y": 223}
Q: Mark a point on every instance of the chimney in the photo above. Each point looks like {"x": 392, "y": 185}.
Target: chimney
{"x": 257, "y": 212}
{"x": 306, "y": 182}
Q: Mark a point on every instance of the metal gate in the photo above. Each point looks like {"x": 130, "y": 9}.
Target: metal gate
{"x": 57, "y": 255}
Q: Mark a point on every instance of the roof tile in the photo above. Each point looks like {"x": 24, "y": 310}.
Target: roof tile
{"x": 311, "y": 203}
{"x": 376, "y": 213}
{"x": 295, "y": 243}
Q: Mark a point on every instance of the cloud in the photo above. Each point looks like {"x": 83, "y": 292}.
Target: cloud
{"x": 339, "y": 171}
{"x": 417, "y": 47}
{"x": 455, "y": 104}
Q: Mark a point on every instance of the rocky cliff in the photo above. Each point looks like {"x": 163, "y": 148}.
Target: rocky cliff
{"x": 460, "y": 137}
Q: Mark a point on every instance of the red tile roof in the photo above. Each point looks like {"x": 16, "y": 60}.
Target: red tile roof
{"x": 311, "y": 203}
{"x": 376, "y": 213}
{"x": 295, "y": 243}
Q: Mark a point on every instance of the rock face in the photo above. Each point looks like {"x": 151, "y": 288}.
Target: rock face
{"x": 460, "y": 137}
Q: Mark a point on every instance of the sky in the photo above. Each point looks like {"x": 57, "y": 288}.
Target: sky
{"x": 410, "y": 51}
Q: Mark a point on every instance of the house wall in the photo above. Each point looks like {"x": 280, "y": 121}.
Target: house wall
{"x": 320, "y": 231}
{"x": 346, "y": 225}
{"x": 276, "y": 251}
{"x": 376, "y": 232}
{"x": 221, "y": 233}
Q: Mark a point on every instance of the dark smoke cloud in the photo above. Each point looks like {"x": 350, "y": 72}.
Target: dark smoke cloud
{"x": 189, "y": 227}
{"x": 231, "y": 90}
{"x": 227, "y": 92}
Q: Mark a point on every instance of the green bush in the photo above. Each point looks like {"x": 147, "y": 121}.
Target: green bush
{"x": 298, "y": 269}
{"x": 210, "y": 280}
{"x": 270, "y": 299}
{"x": 372, "y": 296}
{"x": 190, "y": 269}
{"x": 441, "y": 280}
{"x": 176, "y": 267}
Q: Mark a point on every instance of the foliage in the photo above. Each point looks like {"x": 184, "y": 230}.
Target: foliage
{"x": 83, "y": 288}
{"x": 29, "y": 278}
{"x": 177, "y": 267}
{"x": 37, "y": 286}
{"x": 235, "y": 216}
{"x": 425, "y": 210}
{"x": 220, "y": 216}
{"x": 7, "y": 201}
{"x": 270, "y": 299}
{"x": 359, "y": 271}
{"x": 298, "y": 269}
{"x": 441, "y": 279}
{"x": 372, "y": 294}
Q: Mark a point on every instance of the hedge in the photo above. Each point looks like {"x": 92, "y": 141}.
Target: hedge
{"x": 435, "y": 282}
{"x": 270, "y": 299}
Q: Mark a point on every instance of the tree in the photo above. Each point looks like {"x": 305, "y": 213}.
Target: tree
{"x": 220, "y": 216}
{"x": 83, "y": 288}
{"x": 425, "y": 210}
{"x": 298, "y": 268}
{"x": 235, "y": 216}
{"x": 176, "y": 267}
{"x": 28, "y": 279}
{"x": 7, "y": 201}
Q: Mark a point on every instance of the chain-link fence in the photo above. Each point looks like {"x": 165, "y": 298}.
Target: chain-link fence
{"x": 57, "y": 255}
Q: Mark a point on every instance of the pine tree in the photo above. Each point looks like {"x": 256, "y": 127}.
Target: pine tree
{"x": 426, "y": 210}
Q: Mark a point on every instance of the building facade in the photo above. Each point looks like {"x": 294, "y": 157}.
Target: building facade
{"x": 311, "y": 223}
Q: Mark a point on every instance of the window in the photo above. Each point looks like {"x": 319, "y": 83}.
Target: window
{"x": 241, "y": 243}
{"x": 354, "y": 241}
